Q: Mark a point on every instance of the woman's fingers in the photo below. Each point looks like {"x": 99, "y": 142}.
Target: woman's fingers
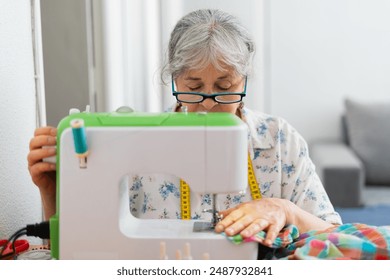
{"x": 37, "y": 155}
{"x": 252, "y": 217}
{"x": 238, "y": 225}
{"x": 46, "y": 130}
{"x": 240, "y": 222}
{"x": 39, "y": 168}
{"x": 230, "y": 218}
{"x": 42, "y": 140}
{"x": 226, "y": 212}
{"x": 255, "y": 227}
{"x": 272, "y": 233}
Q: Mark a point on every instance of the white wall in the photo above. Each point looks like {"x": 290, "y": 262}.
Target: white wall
{"x": 322, "y": 51}
{"x": 19, "y": 199}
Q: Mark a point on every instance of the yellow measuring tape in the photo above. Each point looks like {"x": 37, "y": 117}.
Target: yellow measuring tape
{"x": 185, "y": 200}
{"x": 185, "y": 191}
{"x": 253, "y": 185}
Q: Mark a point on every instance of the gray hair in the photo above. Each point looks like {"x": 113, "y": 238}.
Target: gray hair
{"x": 209, "y": 36}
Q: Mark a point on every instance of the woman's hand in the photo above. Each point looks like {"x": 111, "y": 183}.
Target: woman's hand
{"x": 43, "y": 173}
{"x": 249, "y": 218}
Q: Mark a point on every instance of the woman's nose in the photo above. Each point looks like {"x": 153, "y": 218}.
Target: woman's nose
{"x": 209, "y": 103}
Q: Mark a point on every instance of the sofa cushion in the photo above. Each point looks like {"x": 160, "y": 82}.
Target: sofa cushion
{"x": 368, "y": 126}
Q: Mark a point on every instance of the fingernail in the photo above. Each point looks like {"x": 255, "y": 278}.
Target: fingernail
{"x": 219, "y": 228}
{"x": 229, "y": 231}
{"x": 53, "y": 132}
{"x": 52, "y": 166}
{"x": 51, "y": 150}
{"x": 51, "y": 140}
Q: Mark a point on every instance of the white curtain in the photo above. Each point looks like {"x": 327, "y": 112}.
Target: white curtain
{"x": 130, "y": 45}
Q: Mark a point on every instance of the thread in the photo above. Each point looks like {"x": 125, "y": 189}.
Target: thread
{"x": 79, "y": 137}
{"x": 80, "y": 141}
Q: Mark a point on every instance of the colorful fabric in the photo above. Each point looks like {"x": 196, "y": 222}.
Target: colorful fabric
{"x": 281, "y": 165}
{"x": 349, "y": 241}
{"x": 285, "y": 237}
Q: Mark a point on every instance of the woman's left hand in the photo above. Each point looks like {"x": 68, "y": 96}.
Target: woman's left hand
{"x": 249, "y": 218}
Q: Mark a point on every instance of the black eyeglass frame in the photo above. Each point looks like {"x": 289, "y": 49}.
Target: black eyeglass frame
{"x": 212, "y": 96}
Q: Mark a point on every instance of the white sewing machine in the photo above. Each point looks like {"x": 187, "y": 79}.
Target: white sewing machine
{"x": 93, "y": 220}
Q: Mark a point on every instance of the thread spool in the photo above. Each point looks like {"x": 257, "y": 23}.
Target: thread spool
{"x": 163, "y": 251}
{"x": 187, "y": 251}
{"x": 178, "y": 255}
{"x": 80, "y": 141}
{"x": 205, "y": 256}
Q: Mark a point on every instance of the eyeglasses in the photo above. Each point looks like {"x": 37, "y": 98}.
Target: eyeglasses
{"x": 198, "y": 97}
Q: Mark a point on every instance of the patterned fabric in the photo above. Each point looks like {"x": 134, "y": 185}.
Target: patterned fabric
{"x": 285, "y": 237}
{"x": 349, "y": 241}
{"x": 281, "y": 164}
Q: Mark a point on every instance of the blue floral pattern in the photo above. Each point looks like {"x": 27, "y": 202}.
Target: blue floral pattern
{"x": 137, "y": 183}
{"x": 282, "y": 167}
{"x": 288, "y": 169}
{"x": 206, "y": 199}
{"x": 262, "y": 129}
{"x": 147, "y": 205}
{"x": 168, "y": 188}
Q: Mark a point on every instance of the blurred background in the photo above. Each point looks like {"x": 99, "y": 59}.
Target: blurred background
{"x": 311, "y": 55}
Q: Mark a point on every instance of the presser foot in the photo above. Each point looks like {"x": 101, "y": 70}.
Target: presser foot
{"x": 203, "y": 226}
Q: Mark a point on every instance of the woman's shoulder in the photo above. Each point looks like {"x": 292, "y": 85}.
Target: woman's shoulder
{"x": 261, "y": 117}
{"x": 268, "y": 130}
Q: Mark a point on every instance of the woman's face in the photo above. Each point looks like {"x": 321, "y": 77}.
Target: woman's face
{"x": 210, "y": 80}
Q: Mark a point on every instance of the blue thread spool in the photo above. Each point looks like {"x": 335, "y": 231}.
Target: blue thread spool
{"x": 80, "y": 141}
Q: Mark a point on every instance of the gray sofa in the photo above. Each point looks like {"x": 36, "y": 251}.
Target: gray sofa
{"x": 356, "y": 170}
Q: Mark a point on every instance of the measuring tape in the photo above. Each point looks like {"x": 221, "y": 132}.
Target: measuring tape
{"x": 185, "y": 192}
{"x": 253, "y": 185}
{"x": 185, "y": 200}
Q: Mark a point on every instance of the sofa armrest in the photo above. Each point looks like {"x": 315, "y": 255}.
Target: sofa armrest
{"x": 341, "y": 172}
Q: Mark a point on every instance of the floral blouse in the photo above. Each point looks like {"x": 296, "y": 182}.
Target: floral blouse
{"x": 281, "y": 165}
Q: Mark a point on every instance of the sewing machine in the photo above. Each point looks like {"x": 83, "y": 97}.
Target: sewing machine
{"x": 93, "y": 220}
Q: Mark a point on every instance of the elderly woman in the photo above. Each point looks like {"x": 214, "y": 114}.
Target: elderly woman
{"x": 210, "y": 58}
